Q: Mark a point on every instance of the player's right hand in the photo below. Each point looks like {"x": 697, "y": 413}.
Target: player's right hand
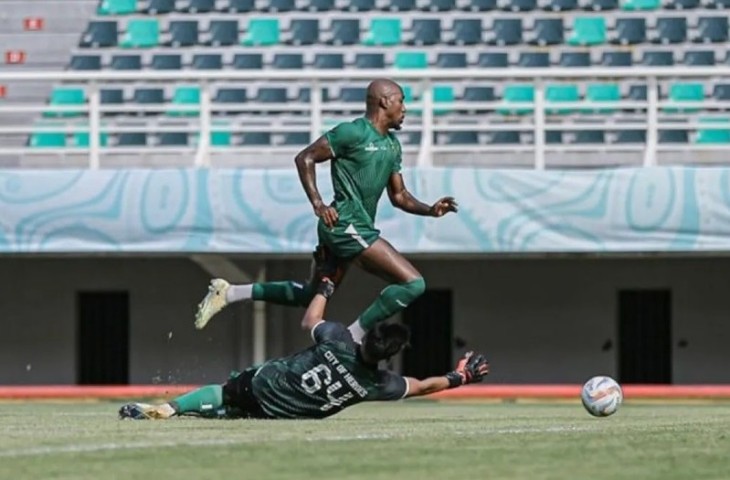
{"x": 472, "y": 368}
{"x": 328, "y": 214}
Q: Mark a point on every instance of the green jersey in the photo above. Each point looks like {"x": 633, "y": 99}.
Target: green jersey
{"x": 323, "y": 379}
{"x": 364, "y": 160}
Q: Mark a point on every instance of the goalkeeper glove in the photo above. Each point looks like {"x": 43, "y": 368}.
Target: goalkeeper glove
{"x": 470, "y": 369}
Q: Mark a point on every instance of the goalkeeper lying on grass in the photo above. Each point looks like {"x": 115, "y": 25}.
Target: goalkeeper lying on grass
{"x": 333, "y": 374}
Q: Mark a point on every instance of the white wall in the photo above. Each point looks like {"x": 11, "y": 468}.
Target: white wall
{"x": 537, "y": 320}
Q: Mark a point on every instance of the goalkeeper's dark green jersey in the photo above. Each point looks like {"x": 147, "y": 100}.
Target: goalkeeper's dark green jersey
{"x": 323, "y": 379}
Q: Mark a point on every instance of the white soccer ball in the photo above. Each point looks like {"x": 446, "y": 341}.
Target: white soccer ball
{"x": 601, "y": 396}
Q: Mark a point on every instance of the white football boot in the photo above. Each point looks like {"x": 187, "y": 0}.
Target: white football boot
{"x": 214, "y": 302}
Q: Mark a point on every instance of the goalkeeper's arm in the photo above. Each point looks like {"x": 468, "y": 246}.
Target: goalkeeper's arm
{"x": 470, "y": 369}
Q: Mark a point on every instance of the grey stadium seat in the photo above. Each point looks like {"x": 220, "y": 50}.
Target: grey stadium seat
{"x": 271, "y": 95}
{"x": 304, "y": 32}
{"x": 256, "y": 138}
{"x": 457, "y": 138}
{"x": 575, "y": 59}
{"x": 425, "y": 31}
{"x": 85, "y": 62}
{"x": 100, "y": 34}
{"x": 616, "y": 59}
{"x": 548, "y": 31}
{"x": 673, "y": 136}
{"x": 321, "y": 5}
{"x": 207, "y": 61}
{"x": 507, "y": 31}
{"x": 630, "y": 136}
{"x": 398, "y": 5}
{"x": 230, "y": 95}
{"x": 599, "y": 5}
{"x": 369, "y": 60}
{"x": 561, "y": 5}
{"x": 505, "y": 137}
{"x": 671, "y": 30}
{"x": 353, "y": 94}
{"x": 288, "y": 61}
{"x": 493, "y": 60}
{"x": 436, "y": 5}
{"x": 156, "y": 7}
{"x": 682, "y": 4}
{"x": 466, "y": 31}
{"x": 329, "y": 61}
{"x": 166, "y": 62}
{"x": 223, "y": 32}
{"x": 361, "y": 5}
{"x": 534, "y": 59}
{"x": 279, "y": 6}
{"x": 721, "y": 91}
{"x": 699, "y": 57}
{"x": 149, "y": 96}
{"x": 519, "y": 5}
{"x": 173, "y": 139}
{"x": 126, "y": 62}
{"x": 451, "y": 60}
{"x": 183, "y": 33}
{"x": 200, "y": 6}
{"x": 345, "y": 32}
{"x": 296, "y": 138}
{"x": 478, "y": 5}
{"x": 665, "y": 58}
{"x": 630, "y": 31}
{"x": 132, "y": 139}
{"x": 241, "y": 6}
{"x": 248, "y": 61}
{"x": 712, "y": 30}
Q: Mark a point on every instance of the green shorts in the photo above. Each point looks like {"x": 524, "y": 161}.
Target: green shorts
{"x": 345, "y": 240}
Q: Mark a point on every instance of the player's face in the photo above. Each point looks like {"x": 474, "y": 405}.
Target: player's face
{"x": 396, "y": 110}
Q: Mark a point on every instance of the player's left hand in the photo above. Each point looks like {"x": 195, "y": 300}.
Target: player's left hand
{"x": 444, "y": 206}
{"x": 472, "y": 368}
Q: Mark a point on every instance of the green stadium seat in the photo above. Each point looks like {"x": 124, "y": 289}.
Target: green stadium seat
{"x": 602, "y": 92}
{"x": 518, "y": 93}
{"x": 588, "y": 31}
{"x": 383, "y": 32}
{"x": 685, "y": 92}
{"x": 185, "y": 95}
{"x": 117, "y": 7}
{"x": 640, "y": 4}
{"x": 48, "y": 140}
{"x": 141, "y": 33}
{"x": 561, "y": 93}
{"x": 82, "y": 139}
{"x": 66, "y": 96}
{"x": 443, "y": 94}
{"x": 714, "y": 136}
{"x": 261, "y": 32}
{"x": 411, "y": 60}
{"x": 220, "y": 134}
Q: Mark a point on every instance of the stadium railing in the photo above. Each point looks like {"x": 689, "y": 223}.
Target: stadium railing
{"x": 647, "y": 114}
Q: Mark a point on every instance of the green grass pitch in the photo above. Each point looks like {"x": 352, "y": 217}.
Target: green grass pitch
{"x": 403, "y": 441}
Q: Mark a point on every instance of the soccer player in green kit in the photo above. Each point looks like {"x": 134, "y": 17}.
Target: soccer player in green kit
{"x": 333, "y": 374}
{"x": 365, "y": 161}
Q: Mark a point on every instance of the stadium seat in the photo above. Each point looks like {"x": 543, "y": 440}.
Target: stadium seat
{"x": 442, "y": 94}
{"x": 149, "y": 96}
{"x": 630, "y": 136}
{"x": 278, "y": 6}
{"x": 82, "y": 139}
{"x": 706, "y": 135}
{"x": 158, "y": 7}
{"x": 353, "y": 94}
{"x": 369, "y": 60}
{"x": 712, "y": 30}
{"x": 111, "y": 96}
{"x": 451, "y": 60}
{"x": 478, "y": 94}
{"x": 664, "y": 58}
{"x": 117, "y": 7}
{"x": 517, "y": 5}
{"x": 504, "y": 137}
{"x": 185, "y": 95}
{"x": 425, "y": 31}
{"x": 396, "y": 5}
{"x": 599, "y": 5}
{"x": 141, "y": 33}
{"x": 383, "y": 32}
{"x": 588, "y": 31}
{"x": 230, "y": 95}
{"x": 493, "y": 60}
{"x": 207, "y": 61}
{"x": 685, "y": 92}
{"x": 344, "y": 32}
{"x": 673, "y": 136}
{"x": 553, "y": 137}
{"x": 303, "y": 32}
{"x": 575, "y": 59}
{"x": 720, "y": 4}
{"x": 85, "y": 62}
{"x": 288, "y": 61}
{"x": 256, "y": 138}
{"x": 361, "y": 5}
{"x": 248, "y": 61}
{"x": 466, "y": 31}
{"x": 173, "y": 139}
{"x": 588, "y": 137}
{"x": 47, "y": 140}
{"x": 534, "y": 60}
{"x": 183, "y": 33}
{"x": 457, "y": 138}
{"x": 630, "y": 31}
{"x": 321, "y": 5}
{"x": 616, "y": 59}
{"x": 271, "y": 95}
{"x": 200, "y": 6}
{"x": 126, "y": 62}
{"x": 548, "y": 31}
{"x": 721, "y": 91}
{"x": 294, "y": 138}
{"x": 132, "y": 139}
{"x": 671, "y": 30}
{"x": 559, "y": 5}
{"x": 100, "y": 34}
{"x": 329, "y": 61}
{"x": 517, "y": 93}
{"x": 220, "y": 135}
{"x": 699, "y": 57}
{"x": 410, "y": 60}
{"x": 166, "y": 62}
{"x": 436, "y": 5}
{"x": 602, "y": 92}
{"x": 63, "y": 96}
{"x": 506, "y": 31}
{"x": 241, "y": 6}
{"x": 223, "y": 33}
{"x": 637, "y": 92}
{"x": 640, "y": 4}
{"x": 476, "y": 5}
{"x": 261, "y": 32}
{"x": 561, "y": 93}
{"x": 681, "y": 4}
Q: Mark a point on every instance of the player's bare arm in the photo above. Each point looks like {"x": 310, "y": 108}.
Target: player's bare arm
{"x": 470, "y": 369}
{"x": 318, "y": 152}
{"x": 401, "y": 198}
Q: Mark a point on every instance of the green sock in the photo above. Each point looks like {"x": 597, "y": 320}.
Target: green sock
{"x": 283, "y": 293}
{"x": 391, "y": 300}
{"x": 204, "y": 400}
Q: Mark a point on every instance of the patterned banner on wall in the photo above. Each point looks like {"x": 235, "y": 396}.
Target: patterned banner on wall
{"x": 266, "y": 211}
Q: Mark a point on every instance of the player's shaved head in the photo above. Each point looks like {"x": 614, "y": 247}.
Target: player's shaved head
{"x": 379, "y": 89}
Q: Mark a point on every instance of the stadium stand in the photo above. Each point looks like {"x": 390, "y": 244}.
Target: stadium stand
{"x": 401, "y": 34}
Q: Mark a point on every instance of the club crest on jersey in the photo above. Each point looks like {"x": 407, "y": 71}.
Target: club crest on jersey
{"x": 371, "y": 147}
